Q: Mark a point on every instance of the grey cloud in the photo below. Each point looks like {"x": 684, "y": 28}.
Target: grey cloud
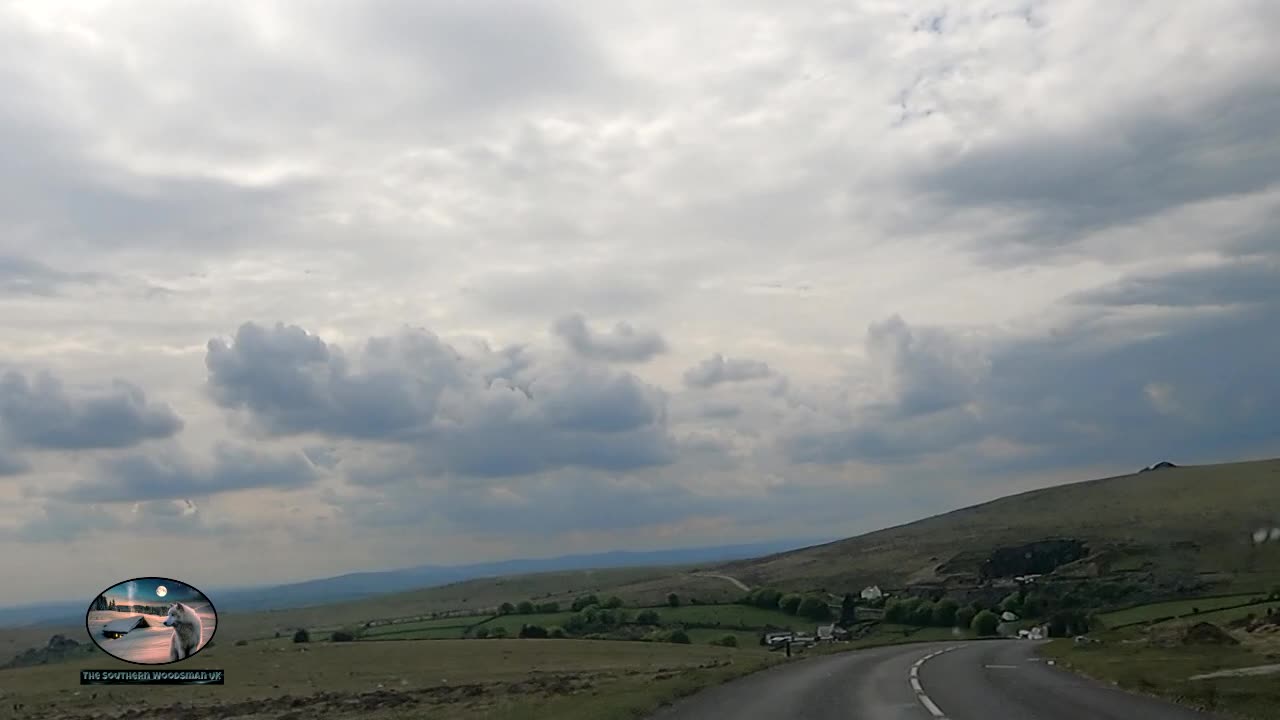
{"x": 1245, "y": 281}
{"x": 43, "y": 414}
{"x": 1121, "y": 167}
{"x": 1198, "y": 387}
{"x": 926, "y": 369}
{"x": 492, "y": 413}
{"x": 292, "y": 382}
{"x": 717, "y": 369}
{"x": 11, "y": 464}
{"x": 140, "y": 478}
{"x": 623, "y": 344}
{"x": 24, "y": 276}
{"x": 57, "y": 522}
{"x": 552, "y": 292}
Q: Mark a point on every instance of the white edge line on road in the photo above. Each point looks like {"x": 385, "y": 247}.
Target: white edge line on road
{"x": 924, "y": 699}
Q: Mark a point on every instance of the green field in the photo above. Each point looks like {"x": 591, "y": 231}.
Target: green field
{"x": 705, "y": 636}
{"x": 731, "y": 617}
{"x": 461, "y": 679}
{"x": 1222, "y": 617}
{"x": 1175, "y": 608}
{"x": 513, "y": 623}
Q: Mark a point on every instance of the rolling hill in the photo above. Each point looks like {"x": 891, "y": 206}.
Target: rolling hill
{"x": 1172, "y": 526}
{"x": 359, "y": 585}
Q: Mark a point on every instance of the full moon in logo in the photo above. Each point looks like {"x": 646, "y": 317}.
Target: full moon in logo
{"x": 161, "y": 591}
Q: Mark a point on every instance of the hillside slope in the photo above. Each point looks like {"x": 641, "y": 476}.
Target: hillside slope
{"x": 1182, "y": 524}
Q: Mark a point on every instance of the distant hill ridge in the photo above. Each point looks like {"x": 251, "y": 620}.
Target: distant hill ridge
{"x": 354, "y": 586}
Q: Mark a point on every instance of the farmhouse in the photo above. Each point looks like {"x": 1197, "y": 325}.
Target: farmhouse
{"x": 117, "y": 628}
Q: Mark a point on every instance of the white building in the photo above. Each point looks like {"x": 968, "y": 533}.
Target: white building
{"x": 872, "y": 593}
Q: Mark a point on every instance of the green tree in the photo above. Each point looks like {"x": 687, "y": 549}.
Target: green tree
{"x": 814, "y": 608}
{"x": 533, "y": 631}
{"x": 613, "y": 602}
{"x": 302, "y": 636}
{"x": 648, "y": 617}
{"x": 848, "y": 609}
{"x": 766, "y": 598}
{"x": 673, "y": 600}
{"x": 506, "y": 608}
{"x": 679, "y": 636}
{"x": 964, "y": 617}
{"x": 482, "y": 632}
{"x": 498, "y": 632}
{"x": 549, "y": 607}
{"x": 524, "y": 607}
{"x": 728, "y": 641}
{"x": 985, "y": 623}
{"x": 790, "y": 604}
{"x": 944, "y": 612}
{"x": 584, "y": 601}
{"x": 1012, "y": 603}
{"x": 556, "y": 632}
{"x": 922, "y": 615}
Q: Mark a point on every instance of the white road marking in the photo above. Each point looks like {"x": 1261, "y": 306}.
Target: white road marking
{"x": 924, "y": 699}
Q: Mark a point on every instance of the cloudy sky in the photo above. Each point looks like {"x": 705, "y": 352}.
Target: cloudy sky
{"x": 293, "y": 288}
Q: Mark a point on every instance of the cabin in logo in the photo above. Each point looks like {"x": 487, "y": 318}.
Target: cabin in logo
{"x": 118, "y": 628}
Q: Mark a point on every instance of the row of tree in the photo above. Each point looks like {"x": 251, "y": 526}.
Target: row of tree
{"x": 812, "y": 607}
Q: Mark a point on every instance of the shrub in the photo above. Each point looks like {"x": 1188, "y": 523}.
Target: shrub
{"x": 766, "y": 598}
{"x": 922, "y": 614}
{"x": 813, "y": 608}
{"x": 583, "y": 602}
{"x": 482, "y": 632}
{"x": 533, "y": 631}
{"x": 302, "y": 636}
{"x": 242, "y": 643}
{"x": 727, "y": 641}
{"x": 342, "y": 636}
{"x": 498, "y": 632}
{"x": 673, "y": 600}
{"x": 549, "y": 607}
{"x": 944, "y": 613}
{"x": 524, "y": 607}
{"x": 556, "y": 632}
{"x": 613, "y": 603}
{"x": 790, "y": 604}
{"x": 985, "y": 623}
{"x": 679, "y": 637}
{"x": 648, "y": 617}
{"x": 506, "y": 608}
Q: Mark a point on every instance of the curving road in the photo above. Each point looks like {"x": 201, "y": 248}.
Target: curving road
{"x": 958, "y": 681}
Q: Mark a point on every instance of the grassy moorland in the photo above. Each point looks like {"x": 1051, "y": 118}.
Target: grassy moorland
{"x": 1164, "y": 666}
{"x": 1190, "y": 522}
{"x": 441, "y": 679}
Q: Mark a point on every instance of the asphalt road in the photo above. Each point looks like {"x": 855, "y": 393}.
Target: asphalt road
{"x": 958, "y": 681}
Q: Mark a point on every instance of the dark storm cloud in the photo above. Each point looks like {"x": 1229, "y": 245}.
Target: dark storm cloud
{"x": 624, "y": 343}
{"x": 1122, "y": 167}
{"x": 24, "y": 276}
{"x": 42, "y": 413}
{"x": 717, "y": 369}
{"x": 137, "y": 478}
{"x": 491, "y": 413}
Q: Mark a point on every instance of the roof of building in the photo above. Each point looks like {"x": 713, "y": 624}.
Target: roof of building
{"x": 124, "y": 625}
